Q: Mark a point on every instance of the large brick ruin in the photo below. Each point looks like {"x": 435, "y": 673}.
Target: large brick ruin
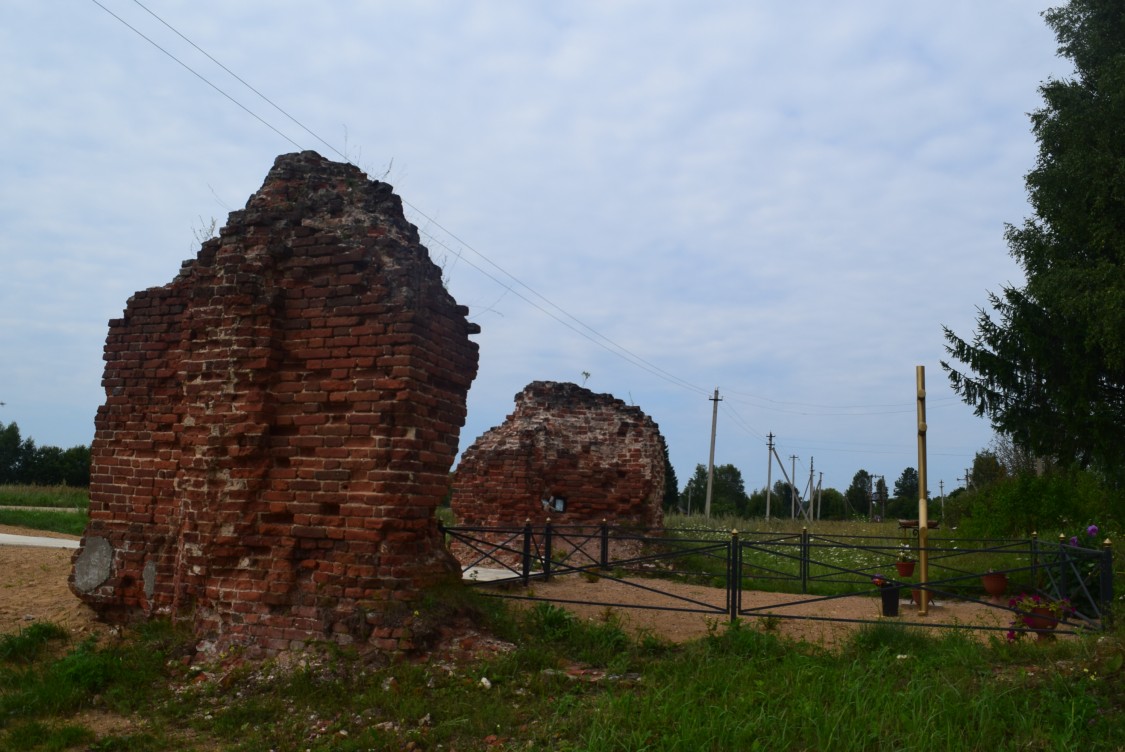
{"x": 279, "y": 424}
{"x": 594, "y": 456}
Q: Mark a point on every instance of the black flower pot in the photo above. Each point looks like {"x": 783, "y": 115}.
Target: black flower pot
{"x": 890, "y": 596}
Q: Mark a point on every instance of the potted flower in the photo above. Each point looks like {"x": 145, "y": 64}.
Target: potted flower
{"x": 1038, "y": 613}
{"x": 995, "y": 583}
{"x": 905, "y": 563}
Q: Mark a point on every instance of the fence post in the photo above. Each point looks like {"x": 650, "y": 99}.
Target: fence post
{"x": 1064, "y": 565}
{"x": 734, "y": 577}
{"x": 1035, "y": 559}
{"x": 605, "y": 545}
{"x": 526, "y": 552}
{"x": 547, "y": 551}
{"x": 804, "y": 560}
{"x": 1106, "y": 584}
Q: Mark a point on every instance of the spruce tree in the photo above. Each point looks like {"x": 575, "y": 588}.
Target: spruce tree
{"x": 1047, "y": 364}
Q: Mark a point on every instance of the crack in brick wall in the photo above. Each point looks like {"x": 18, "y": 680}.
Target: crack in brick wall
{"x": 279, "y": 423}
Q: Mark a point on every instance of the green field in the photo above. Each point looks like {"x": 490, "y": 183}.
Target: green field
{"x": 61, "y": 497}
{"x": 60, "y": 509}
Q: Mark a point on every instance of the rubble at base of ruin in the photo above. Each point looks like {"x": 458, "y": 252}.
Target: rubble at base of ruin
{"x": 567, "y": 455}
{"x": 279, "y": 425}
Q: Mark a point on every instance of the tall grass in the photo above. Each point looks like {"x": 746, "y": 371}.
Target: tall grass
{"x": 62, "y": 497}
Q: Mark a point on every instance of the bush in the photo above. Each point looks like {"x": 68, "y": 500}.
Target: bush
{"x": 1027, "y": 503}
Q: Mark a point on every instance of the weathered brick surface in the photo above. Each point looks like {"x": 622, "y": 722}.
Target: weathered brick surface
{"x": 604, "y": 457}
{"x": 280, "y": 421}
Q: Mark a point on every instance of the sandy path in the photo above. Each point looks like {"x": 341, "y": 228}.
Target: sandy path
{"x": 34, "y": 588}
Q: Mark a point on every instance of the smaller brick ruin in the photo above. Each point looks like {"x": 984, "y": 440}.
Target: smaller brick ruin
{"x": 279, "y": 424}
{"x": 564, "y": 442}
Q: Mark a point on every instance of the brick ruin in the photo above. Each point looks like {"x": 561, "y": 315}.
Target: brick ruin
{"x": 279, "y": 424}
{"x": 595, "y": 456}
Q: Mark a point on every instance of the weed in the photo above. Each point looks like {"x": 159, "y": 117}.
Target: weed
{"x": 770, "y": 623}
{"x": 27, "y": 644}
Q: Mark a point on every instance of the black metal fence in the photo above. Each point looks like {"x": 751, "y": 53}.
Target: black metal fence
{"x": 802, "y": 568}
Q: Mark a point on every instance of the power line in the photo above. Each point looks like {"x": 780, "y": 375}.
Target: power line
{"x": 589, "y": 333}
{"x": 200, "y": 76}
{"x": 741, "y": 422}
{"x": 597, "y": 337}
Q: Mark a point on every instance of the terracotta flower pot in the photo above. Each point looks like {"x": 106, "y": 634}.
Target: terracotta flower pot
{"x": 1042, "y": 621}
{"x": 995, "y": 583}
{"x": 905, "y": 568}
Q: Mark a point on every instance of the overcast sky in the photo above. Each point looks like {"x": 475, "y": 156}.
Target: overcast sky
{"x": 785, "y": 201}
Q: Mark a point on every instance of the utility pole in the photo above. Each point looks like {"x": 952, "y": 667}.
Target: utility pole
{"x": 793, "y": 487}
{"x": 819, "y": 495}
{"x": 923, "y": 522}
{"x": 769, "y": 474}
{"x": 870, "y": 498}
{"x": 881, "y": 491}
{"x": 941, "y": 487}
{"x": 811, "y": 489}
{"x": 711, "y": 458}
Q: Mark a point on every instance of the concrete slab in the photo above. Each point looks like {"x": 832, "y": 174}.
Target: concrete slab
{"x": 6, "y": 539}
{"x": 481, "y": 574}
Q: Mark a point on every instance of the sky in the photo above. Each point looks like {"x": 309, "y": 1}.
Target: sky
{"x": 782, "y": 201}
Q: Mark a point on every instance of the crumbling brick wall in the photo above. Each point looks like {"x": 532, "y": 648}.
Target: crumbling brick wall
{"x": 279, "y": 423}
{"x": 603, "y": 457}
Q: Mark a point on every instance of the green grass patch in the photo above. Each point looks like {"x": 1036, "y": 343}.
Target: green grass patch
{"x": 63, "y": 497}
{"x": 27, "y": 644}
{"x": 581, "y": 684}
{"x": 70, "y": 523}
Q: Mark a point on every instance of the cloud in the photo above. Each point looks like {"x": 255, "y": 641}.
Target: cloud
{"x": 785, "y": 201}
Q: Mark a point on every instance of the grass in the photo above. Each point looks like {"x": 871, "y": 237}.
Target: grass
{"x": 33, "y": 507}
{"x": 62, "y": 497}
{"x": 575, "y": 684}
{"x": 37, "y": 519}
{"x": 770, "y": 561}
{"x": 567, "y": 684}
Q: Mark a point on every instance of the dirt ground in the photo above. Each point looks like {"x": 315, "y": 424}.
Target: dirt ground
{"x": 34, "y": 588}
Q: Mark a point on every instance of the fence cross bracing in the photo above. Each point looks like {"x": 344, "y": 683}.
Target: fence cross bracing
{"x": 802, "y": 568}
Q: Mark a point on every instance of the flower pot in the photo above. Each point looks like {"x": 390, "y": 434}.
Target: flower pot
{"x": 995, "y": 583}
{"x": 905, "y": 568}
{"x": 890, "y": 596}
{"x": 1042, "y": 621}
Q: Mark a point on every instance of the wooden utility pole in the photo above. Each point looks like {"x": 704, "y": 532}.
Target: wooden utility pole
{"x": 923, "y": 523}
{"x": 711, "y": 458}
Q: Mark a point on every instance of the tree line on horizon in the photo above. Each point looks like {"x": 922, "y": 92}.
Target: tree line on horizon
{"x": 22, "y": 462}
{"x": 867, "y": 496}
{"x": 1009, "y": 492}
